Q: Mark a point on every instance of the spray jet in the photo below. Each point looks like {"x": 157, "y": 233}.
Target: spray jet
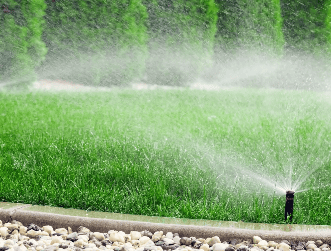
{"x": 289, "y": 204}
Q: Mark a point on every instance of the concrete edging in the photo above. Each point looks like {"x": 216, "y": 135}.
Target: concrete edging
{"x": 104, "y": 225}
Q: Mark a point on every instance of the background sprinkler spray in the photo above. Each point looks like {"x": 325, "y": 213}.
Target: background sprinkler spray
{"x": 289, "y": 204}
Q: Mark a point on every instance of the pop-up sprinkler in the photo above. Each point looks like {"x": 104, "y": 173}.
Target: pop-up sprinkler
{"x": 289, "y": 204}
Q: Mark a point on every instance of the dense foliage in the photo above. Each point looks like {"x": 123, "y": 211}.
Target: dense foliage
{"x": 305, "y": 26}
{"x": 115, "y": 42}
{"x": 21, "y": 47}
{"x": 250, "y": 24}
{"x": 184, "y": 31}
{"x": 90, "y": 31}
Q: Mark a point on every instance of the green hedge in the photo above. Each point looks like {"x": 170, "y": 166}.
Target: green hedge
{"x": 327, "y": 25}
{"x": 306, "y": 25}
{"x": 247, "y": 25}
{"x": 170, "y": 42}
{"x": 21, "y": 48}
{"x": 94, "y": 42}
{"x": 182, "y": 40}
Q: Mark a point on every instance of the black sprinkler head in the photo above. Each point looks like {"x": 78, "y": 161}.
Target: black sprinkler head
{"x": 289, "y": 204}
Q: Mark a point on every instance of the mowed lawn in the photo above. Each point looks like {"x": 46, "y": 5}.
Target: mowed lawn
{"x": 186, "y": 154}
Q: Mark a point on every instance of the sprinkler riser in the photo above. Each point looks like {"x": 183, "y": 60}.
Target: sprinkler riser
{"x": 289, "y": 204}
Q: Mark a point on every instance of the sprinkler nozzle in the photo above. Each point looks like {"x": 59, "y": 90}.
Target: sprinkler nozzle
{"x": 289, "y": 204}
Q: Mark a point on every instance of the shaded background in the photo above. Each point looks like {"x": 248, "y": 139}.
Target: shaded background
{"x": 265, "y": 43}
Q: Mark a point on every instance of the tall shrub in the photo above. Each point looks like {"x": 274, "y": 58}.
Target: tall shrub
{"x": 103, "y": 43}
{"x": 304, "y": 25}
{"x": 134, "y": 43}
{"x": 327, "y": 25}
{"x": 246, "y": 24}
{"x": 21, "y": 48}
{"x": 200, "y": 32}
{"x": 182, "y": 38}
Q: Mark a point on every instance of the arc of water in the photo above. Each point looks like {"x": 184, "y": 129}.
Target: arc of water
{"x": 300, "y": 181}
{"x": 266, "y": 182}
{"x": 280, "y": 188}
{"x": 229, "y": 161}
{"x": 312, "y": 188}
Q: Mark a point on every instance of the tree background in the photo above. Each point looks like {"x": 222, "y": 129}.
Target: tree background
{"x": 21, "y": 46}
{"x": 166, "y": 42}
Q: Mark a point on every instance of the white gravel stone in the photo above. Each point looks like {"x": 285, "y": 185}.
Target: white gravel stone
{"x": 220, "y": 247}
{"x": 283, "y": 246}
{"x": 205, "y": 247}
{"x": 61, "y": 231}
{"x": 256, "y": 239}
{"x": 157, "y": 236}
{"x": 168, "y": 241}
{"x": 79, "y": 243}
{"x": 115, "y": 236}
{"x": 262, "y": 243}
{"x": 144, "y": 240}
{"x": 33, "y": 234}
{"x": 48, "y": 229}
{"x": 56, "y": 239}
{"x": 4, "y": 231}
{"x": 169, "y": 235}
{"x": 272, "y": 244}
{"x": 176, "y": 239}
{"x": 135, "y": 235}
{"x": 311, "y": 246}
{"x": 214, "y": 240}
{"x": 99, "y": 236}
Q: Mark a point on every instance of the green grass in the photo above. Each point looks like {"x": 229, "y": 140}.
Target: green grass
{"x": 161, "y": 153}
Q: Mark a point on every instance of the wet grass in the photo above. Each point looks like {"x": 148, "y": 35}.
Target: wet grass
{"x": 170, "y": 154}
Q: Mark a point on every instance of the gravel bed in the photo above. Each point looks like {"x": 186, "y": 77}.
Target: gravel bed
{"x": 16, "y": 237}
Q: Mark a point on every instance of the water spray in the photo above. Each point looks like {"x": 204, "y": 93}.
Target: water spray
{"x": 289, "y": 204}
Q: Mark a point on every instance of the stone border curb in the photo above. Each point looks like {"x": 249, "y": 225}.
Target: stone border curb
{"x": 104, "y": 225}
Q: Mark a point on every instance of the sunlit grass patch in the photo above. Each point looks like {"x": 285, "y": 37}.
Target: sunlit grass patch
{"x": 168, "y": 153}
